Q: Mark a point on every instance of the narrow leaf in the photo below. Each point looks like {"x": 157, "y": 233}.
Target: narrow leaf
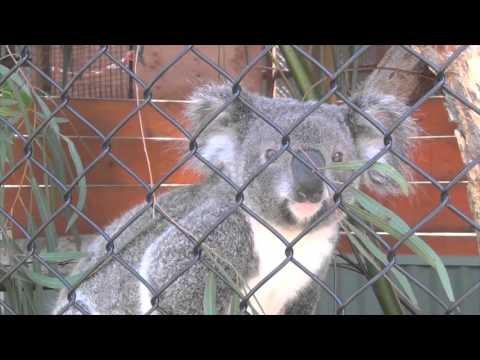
{"x": 375, "y": 251}
{"x": 388, "y": 221}
{"x": 234, "y": 305}
{"x": 45, "y": 212}
{"x": 60, "y": 257}
{"x": 210, "y": 295}
{"x": 77, "y": 162}
{"x": 49, "y": 281}
{"x": 382, "y": 168}
{"x": 82, "y": 184}
{"x": 15, "y": 78}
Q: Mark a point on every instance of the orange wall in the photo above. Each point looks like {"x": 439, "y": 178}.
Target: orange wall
{"x": 112, "y": 190}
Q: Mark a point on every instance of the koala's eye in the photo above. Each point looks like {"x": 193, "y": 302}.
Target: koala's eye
{"x": 269, "y": 154}
{"x": 337, "y": 157}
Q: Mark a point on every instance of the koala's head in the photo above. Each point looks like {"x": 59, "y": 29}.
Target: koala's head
{"x": 288, "y": 193}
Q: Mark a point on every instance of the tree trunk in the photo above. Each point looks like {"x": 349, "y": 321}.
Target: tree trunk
{"x": 401, "y": 74}
{"x": 463, "y": 77}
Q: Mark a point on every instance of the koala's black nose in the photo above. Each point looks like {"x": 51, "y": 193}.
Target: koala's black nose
{"x": 308, "y": 186}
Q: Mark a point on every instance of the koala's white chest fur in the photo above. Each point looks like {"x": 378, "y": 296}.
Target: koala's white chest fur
{"x": 312, "y": 251}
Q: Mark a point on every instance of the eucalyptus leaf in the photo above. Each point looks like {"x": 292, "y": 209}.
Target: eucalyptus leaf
{"x": 82, "y": 184}
{"x": 50, "y": 281}
{"x": 16, "y": 100}
{"x": 234, "y": 305}
{"x": 15, "y": 78}
{"x": 25, "y": 291}
{"x": 58, "y": 163}
{"x": 7, "y": 102}
{"x": 382, "y": 168}
{"x": 45, "y": 212}
{"x": 379, "y": 255}
{"x": 61, "y": 120}
{"x": 17, "y": 275}
{"x": 75, "y": 156}
{"x": 388, "y": 221}
{"x": 62, "y": 256}
{"x": 210, "y": 296}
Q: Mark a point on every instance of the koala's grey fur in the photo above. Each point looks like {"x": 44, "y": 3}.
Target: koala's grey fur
{"x": 235, "y": 142}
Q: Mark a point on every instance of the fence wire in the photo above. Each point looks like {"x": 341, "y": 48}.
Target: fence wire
{"x": 32, "y": 252}
{"x": 102, "y": 80}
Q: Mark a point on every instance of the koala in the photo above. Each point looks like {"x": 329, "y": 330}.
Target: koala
{"x": 290, "y": 194}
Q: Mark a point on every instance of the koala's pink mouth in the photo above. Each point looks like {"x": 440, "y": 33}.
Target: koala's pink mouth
{"x": 303, "y": 210}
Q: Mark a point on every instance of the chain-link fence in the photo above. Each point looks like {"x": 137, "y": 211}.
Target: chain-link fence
{"x": 107, "y": 240}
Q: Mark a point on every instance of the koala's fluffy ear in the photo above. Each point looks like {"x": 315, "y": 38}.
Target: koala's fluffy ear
{"x": 218, "y": 142}
{"x": 385, "y": 109}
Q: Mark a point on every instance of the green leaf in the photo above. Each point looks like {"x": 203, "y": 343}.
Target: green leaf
{"x": 45, "y": 111}
{"x": 210, "y": 296}
{"x": 25, "y": 98}
{"x": 38, "y": 299}
{"x": 17, "y": 275}
{"x": 388, "y": 221}
{"x": 82, "y": 184}
{"x": 77, "y": 162}
{"x": 25, "y": 299}
{"x": 4, "y": 159}
{"x": 382, "y": 168}
{"x": 15, "y": 78}
{"x": 375, "y": 251}
{"x": 16, "y": 99}
{"x": 61, "y": 120}
{"x": 62, "y": 256}
{"x": 234, "y": 305}
{"x": 59, "y": 161}
{"x": 7, "y": 102}
{"x": 45, "y": 212}
{"x": 49, "y": 281}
